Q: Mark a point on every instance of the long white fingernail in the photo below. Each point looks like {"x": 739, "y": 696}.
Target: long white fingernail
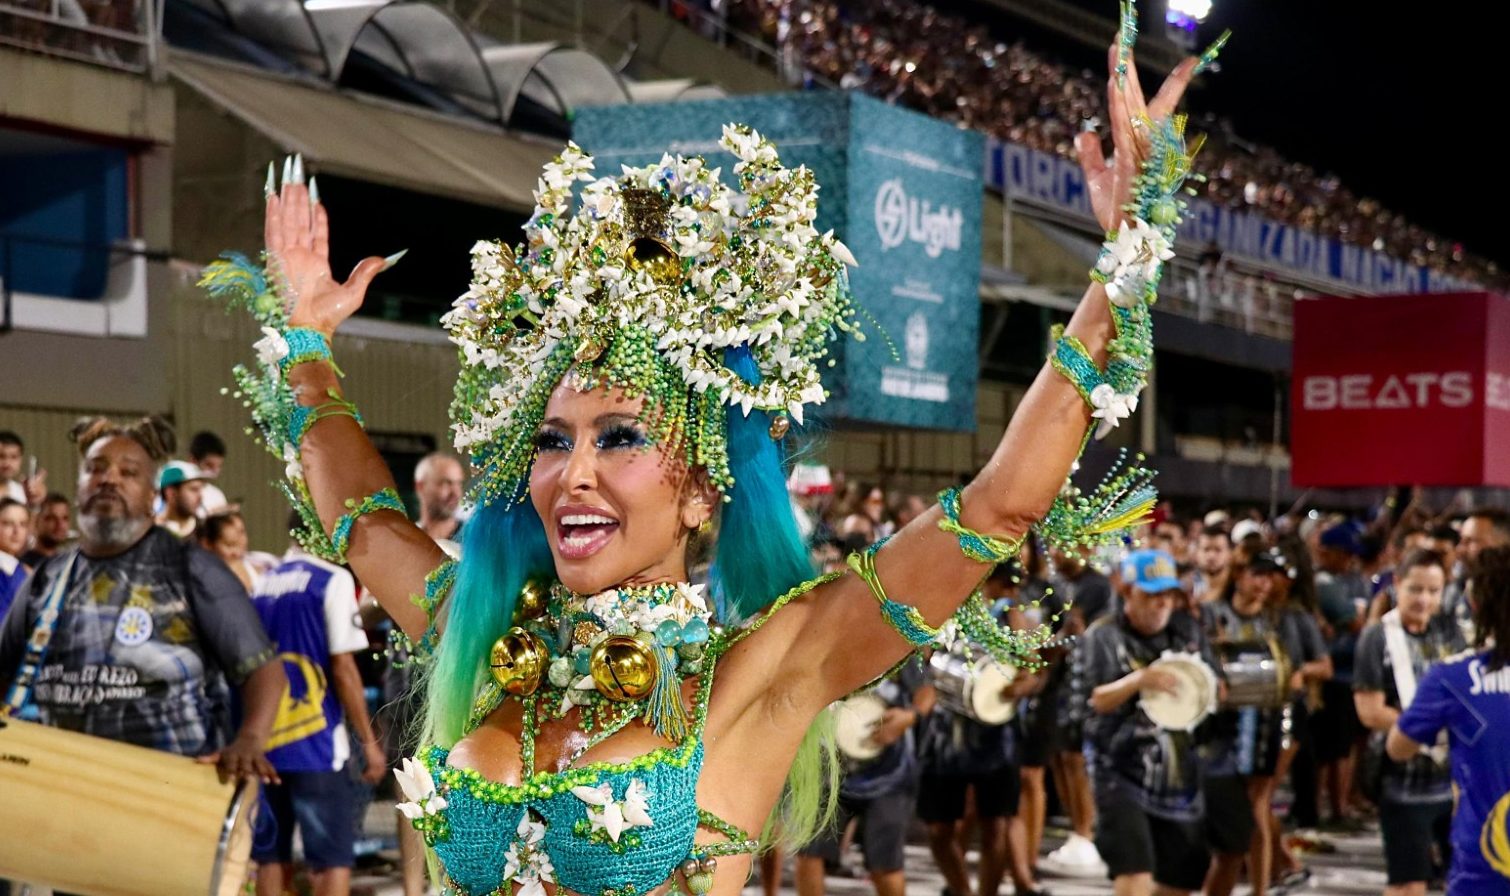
{"x": 288, "y": 170}
{"x": 392, "y": 260}
{"x": 298, "y": 168}
{"x": 272, "y": 182}
{"x": 314, "y": 192}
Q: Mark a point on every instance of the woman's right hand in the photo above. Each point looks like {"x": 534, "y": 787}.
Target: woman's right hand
{"x": 296, "y": 232}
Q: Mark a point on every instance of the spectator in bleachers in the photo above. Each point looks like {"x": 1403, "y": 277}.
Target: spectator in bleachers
{"x": 914, "y": 55}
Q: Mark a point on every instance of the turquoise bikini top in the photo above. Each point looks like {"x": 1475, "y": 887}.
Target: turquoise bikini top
{"x": 613, "y": 829}
{"x": 604, "y": 829}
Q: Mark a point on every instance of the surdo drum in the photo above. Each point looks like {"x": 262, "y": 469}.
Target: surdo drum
{"x": 973, "y": 687}
{"x": 1190, "y": 703}
{"x": 87, "y": 815}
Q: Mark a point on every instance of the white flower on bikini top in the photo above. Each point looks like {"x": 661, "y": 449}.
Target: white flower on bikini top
{"x": 525, "y": 863}
{"x": 419, "y": 789}
{"x": 611, "y": 817}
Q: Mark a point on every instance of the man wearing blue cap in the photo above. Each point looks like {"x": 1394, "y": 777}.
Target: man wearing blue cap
{"x": 1145, "y": 779}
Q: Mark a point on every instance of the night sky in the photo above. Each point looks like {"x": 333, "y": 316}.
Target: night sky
{"x": 1399, "y": 100}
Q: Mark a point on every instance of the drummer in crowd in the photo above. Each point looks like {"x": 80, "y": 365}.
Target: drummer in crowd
{"x": 146, "y": 630}
{"x": 1145, "y": 779}
{"x": 879, "y": 794}
{"x": 961, "y": 755}
{"x": 1394, "y": 654}
{"x": 1246, "y": 742}
{"x": 1089, "y": 596}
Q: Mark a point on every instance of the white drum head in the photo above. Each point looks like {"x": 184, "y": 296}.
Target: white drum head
{"x": 991, "y": 708}
{"x": 1190, "y": 704}
{"x": 855, "y": 719}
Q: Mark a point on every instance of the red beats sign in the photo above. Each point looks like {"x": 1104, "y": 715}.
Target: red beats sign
{"x": 1401, "y": 390}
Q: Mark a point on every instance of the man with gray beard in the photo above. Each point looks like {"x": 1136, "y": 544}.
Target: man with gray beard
{"x": 147, "y": 630}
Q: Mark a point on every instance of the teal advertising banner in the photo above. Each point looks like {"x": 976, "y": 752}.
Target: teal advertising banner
{"x": 901, "y": 189}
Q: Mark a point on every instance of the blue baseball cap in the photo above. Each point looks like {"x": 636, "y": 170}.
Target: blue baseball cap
{"x": 1346, "y": 537}
{"x": 1151, "y": 571}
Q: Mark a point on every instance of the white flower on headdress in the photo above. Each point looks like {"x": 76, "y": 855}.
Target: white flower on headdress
{"x": 1111, "y": 407}
{"x": 751, "y": 262}
{"x": 271, "y": 348}
{"x": 419, "y": 789}
{"x": 840, "y": 251}
{"x": 525, "y": 863}
{"x": 611, "y": 817}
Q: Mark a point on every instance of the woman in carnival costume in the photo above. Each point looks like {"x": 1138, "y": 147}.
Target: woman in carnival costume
{"x": 594, "y": 723}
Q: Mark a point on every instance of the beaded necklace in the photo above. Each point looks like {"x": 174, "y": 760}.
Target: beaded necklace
{"x": 615, "y": 656}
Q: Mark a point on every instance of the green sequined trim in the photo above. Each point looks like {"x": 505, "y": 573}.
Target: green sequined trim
{"x": 718, "y": 646}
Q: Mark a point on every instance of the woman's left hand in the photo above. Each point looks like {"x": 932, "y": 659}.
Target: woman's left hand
{"x": 1110, "y": 181}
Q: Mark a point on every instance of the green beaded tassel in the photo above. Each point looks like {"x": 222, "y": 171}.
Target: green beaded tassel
{"x": 664, "y": 711}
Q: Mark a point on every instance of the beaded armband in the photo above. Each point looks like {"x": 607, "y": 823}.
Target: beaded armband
{"x": 305, "y": 416}
{"x": 438, "y": 584}
{"x": 978, "y": 547}
{"x": 906, "y": 620}
{"x": 340, "y": 536}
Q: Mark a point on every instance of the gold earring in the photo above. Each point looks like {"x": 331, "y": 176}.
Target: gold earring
{"x": 705, "y": 526}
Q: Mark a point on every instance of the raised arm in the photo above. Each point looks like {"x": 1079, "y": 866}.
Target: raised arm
{"x": 838, "y": 636}
{"x": 339, "y": 465}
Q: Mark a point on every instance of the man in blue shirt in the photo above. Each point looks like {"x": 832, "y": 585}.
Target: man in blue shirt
{"x": 309, "y": 608}
{"x": 1469, "y": 696}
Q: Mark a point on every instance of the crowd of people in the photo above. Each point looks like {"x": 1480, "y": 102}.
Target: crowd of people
{"x": 1360, "y": 614}
{"x": 270, "y": 657}
{"x": 922, "y": 57}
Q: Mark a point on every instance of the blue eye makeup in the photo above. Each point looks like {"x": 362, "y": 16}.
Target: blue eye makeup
{"x": 622, "y": 435}
{"x": 550, "y": 440}
{"x": 615, "y": 436}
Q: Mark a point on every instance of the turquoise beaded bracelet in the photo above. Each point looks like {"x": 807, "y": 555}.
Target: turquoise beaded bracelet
{"x": 1073, "y": 360}
{"x": 304, "y": 345}
{"x": 340, "y": 537}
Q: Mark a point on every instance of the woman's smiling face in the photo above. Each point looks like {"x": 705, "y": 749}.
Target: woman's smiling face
{"x": 616, "y": 506}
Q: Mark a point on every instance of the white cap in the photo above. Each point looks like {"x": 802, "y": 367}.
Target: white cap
{"x": 1244, "y": 528}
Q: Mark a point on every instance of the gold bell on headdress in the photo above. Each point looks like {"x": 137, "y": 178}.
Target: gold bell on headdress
{"x": 518, "y": 661}
{"x": 780, "y": 425}
{"x": 624, "y": 668}
{"x": 647, "y": 218}
{"x": 531, "y": 601}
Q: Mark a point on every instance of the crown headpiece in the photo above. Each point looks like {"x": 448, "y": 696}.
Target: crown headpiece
{"x": 663, "y": 282}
